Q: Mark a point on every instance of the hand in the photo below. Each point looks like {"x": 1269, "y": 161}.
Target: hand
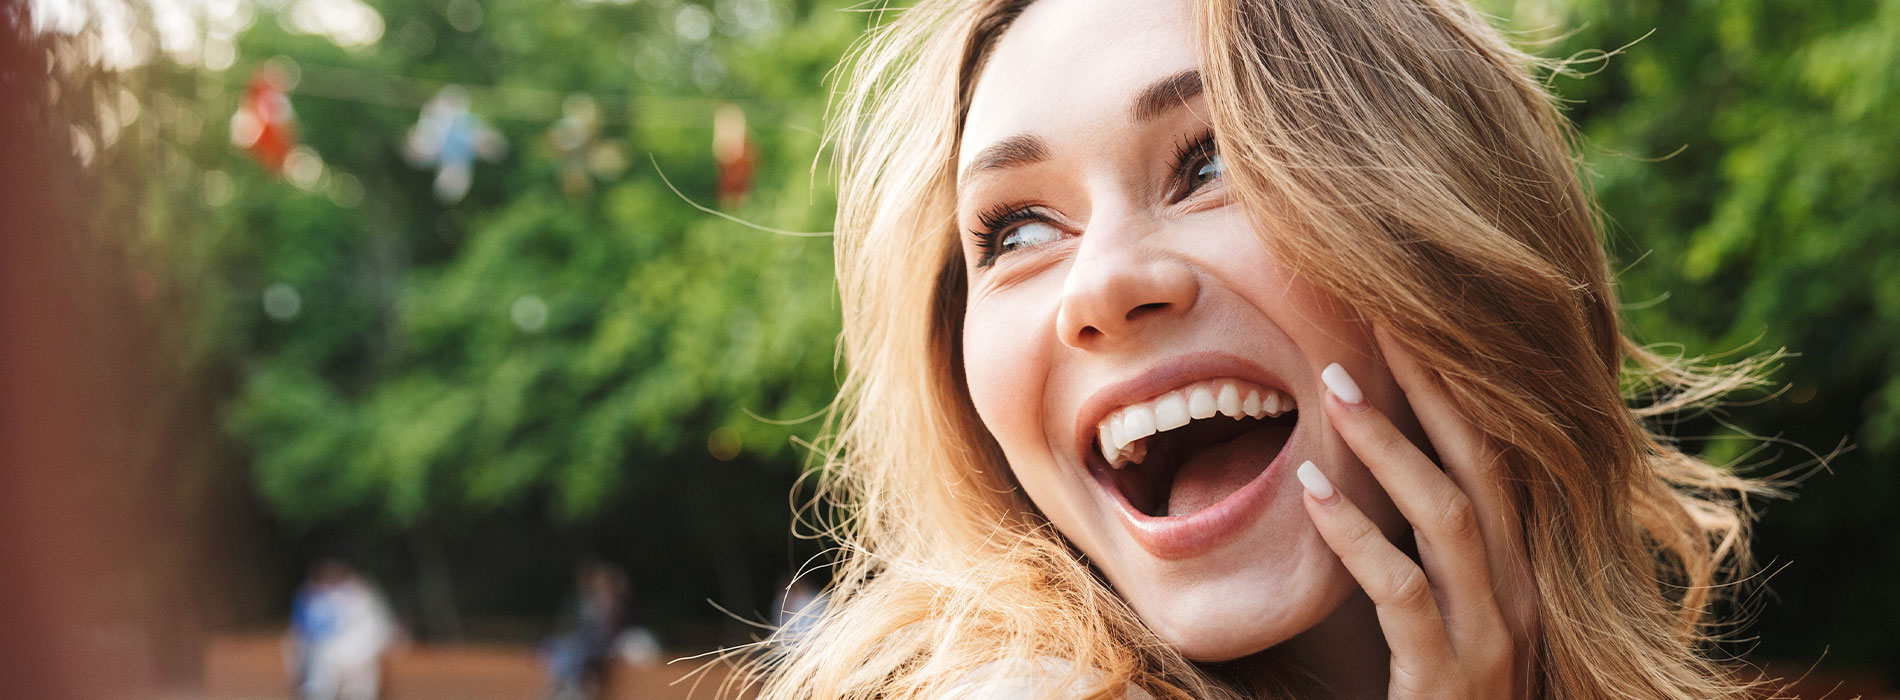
{"x": 1463, "y": 627}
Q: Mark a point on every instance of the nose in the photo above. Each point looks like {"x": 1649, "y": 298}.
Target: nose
{"x": 1116, "y": 284}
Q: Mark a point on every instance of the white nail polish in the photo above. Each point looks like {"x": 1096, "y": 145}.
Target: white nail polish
{"x": 1315, "y": 482}
{"x": 1342, "y": 384}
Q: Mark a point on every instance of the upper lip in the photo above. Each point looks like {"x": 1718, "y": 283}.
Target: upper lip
{"x": 1167, "y": 374}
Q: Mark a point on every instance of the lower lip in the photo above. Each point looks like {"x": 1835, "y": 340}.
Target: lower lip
{"x": 1183, "y": 536}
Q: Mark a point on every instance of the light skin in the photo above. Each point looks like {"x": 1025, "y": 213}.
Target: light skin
{"x": 1102, "y": 248}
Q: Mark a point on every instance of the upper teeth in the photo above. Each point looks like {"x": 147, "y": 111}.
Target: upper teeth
{"x": 1121, "y": 433}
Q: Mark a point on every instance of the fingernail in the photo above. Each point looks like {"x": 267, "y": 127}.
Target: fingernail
{"x": 1342, "y": 386}
{"x": 1316, "y": 482}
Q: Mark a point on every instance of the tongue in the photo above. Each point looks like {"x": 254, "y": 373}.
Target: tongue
{"x": 1213, "y": 473}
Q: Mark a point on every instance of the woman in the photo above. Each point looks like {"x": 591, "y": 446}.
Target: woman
{"x": 1242, "y": 349}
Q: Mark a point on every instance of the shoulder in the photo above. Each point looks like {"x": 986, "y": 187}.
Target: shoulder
{"x": 1044, "y": 677}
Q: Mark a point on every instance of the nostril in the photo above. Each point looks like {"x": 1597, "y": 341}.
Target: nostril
{"x": 1090, "y": 333}
{"x": 1146, "y": 309}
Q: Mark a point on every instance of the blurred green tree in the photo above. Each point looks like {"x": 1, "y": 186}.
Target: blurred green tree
{"x": 555, "y": 341}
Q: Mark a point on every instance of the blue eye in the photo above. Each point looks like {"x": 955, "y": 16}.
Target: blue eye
{"x": 1197, "y": 162}
{"x": 1032, "y": 233}
{"x": 1007, "y": 228}
{"x": 1209, "y": 170}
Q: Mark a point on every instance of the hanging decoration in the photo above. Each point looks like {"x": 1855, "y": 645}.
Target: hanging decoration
{"x": 448, "y": 137}
{"x": 734, "y": 151}
{"x": 264, "y": 125}
{"x": 583, "y": 155}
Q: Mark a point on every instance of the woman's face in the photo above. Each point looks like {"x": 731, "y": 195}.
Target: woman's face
{"x": 1116, "y": 292}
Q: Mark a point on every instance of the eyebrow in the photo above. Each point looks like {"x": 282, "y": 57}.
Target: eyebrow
{"x": 1018, "y": 150}
{"x": 1025, "y": 149}
{"x": 1167, "y": 93}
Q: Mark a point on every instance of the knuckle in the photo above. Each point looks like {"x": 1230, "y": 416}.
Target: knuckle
{"x": 1408, "y": 588}
{"x": 1458, "y": 519}
{"x": 1410, "y": 681}
{"x": 1361, "y": 535}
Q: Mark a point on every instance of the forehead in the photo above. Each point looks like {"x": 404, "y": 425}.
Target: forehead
{"x": 1073, "y": 65}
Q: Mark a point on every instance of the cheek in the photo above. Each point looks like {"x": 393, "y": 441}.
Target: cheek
{"x": 1006, "y": 362}
{"x": 1232, "y": 250}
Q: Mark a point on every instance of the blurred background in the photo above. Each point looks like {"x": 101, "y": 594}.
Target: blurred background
{"x": 489, "y": 334}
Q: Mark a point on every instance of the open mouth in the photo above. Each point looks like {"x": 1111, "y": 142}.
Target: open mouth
{"x": 1185, "y": 450}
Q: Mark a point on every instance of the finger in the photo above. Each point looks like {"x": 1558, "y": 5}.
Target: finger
{"x": 1399, "y": 590}
{"x": 1474, "y": 463}
{"x": 1451, "y": 545}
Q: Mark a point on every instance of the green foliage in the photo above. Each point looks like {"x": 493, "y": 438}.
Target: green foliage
{"x": 448, "y": 361}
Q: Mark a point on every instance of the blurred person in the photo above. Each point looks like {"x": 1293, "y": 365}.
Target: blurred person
{"x": 581, "y": 658}
{"x": 312, "y": 619}
{"x": 638, "y": 646}
{"x": 800, "y": 606}
{"x": 340, "y": 631}
{"x": 1345, "y": 419}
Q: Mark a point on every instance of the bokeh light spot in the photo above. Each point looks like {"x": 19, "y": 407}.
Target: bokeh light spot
{"x": 346, "y": 190}
{"x": 693, "y": 23}
{"x": 724, "y": 443}
{"x": 218, "y": 188}
{"x": 282, "y": 302}
{"x": 304, "y": 168}
{"x": 529, "y": 313}
{"x": 464, "y": 15}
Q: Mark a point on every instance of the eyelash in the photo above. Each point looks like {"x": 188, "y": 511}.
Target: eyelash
{"x": 1190, "y": 152}
{"x": 995, "y": 221}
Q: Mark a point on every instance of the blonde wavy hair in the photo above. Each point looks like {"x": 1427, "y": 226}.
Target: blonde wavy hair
{"x": 1430, "y": 174}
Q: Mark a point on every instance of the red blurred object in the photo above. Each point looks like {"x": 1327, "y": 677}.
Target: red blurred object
{"x": 264, "y": 125}
{"x": 733, "y": 148}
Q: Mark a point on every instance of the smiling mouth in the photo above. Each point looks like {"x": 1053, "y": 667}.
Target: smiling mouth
{"x": 1187, "y": 449}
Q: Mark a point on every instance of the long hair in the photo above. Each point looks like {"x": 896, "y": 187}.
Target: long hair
{"x": 1428, "y": 178}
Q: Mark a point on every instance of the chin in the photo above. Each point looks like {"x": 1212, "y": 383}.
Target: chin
{"x": 1240, "y": 615}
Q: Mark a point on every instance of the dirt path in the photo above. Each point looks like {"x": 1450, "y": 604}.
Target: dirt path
{"x": 252, "y": 668}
